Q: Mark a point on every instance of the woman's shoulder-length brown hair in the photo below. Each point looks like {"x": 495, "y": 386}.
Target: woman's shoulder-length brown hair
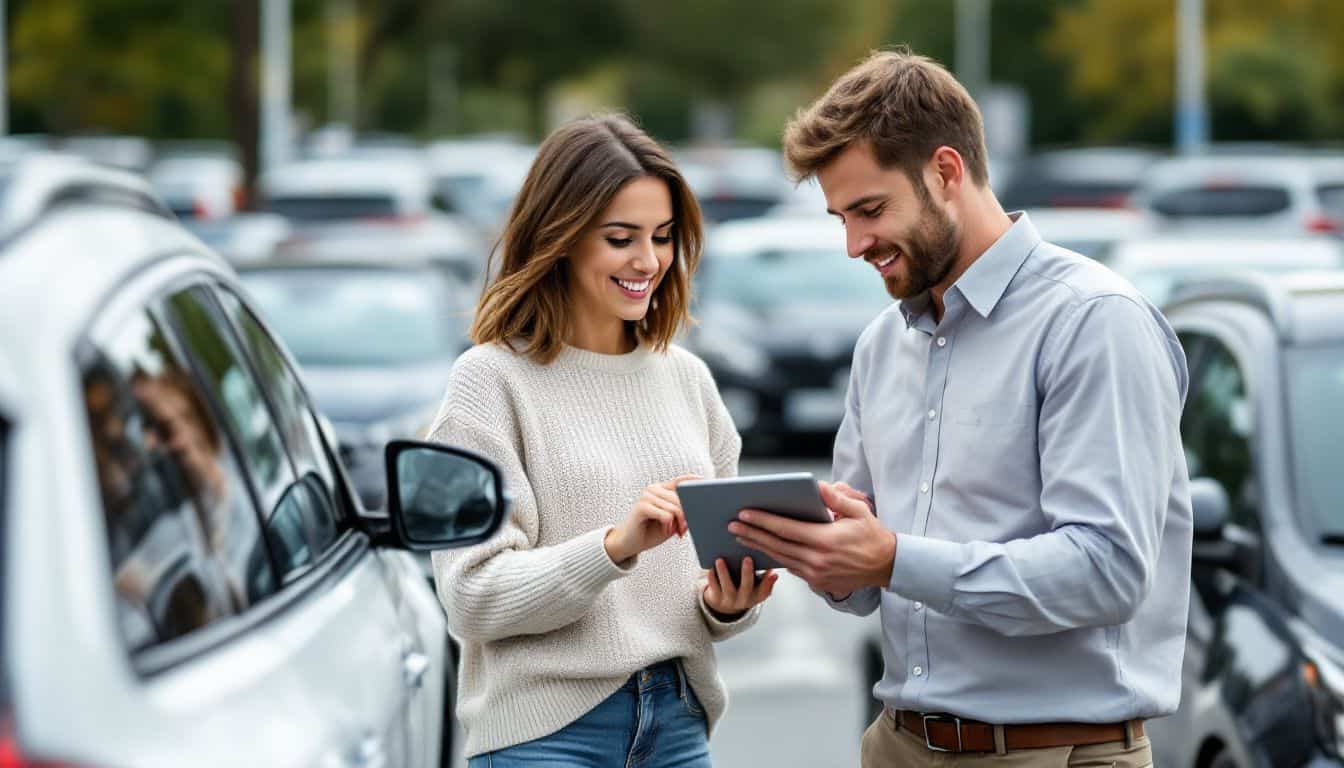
{"x": 578, "y": 170}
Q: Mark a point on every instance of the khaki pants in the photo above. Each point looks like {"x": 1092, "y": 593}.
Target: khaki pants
{"x": 887, "y": 745}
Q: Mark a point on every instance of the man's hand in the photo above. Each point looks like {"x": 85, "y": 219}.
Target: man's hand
{"x": 852, "y": 552}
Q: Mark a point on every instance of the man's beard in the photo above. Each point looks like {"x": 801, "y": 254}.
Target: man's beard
{"x": 931, "y": 254}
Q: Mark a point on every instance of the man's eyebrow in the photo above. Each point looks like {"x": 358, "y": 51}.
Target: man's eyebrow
{"x": 862, "y": 201}
{"x": 628, "y": 225}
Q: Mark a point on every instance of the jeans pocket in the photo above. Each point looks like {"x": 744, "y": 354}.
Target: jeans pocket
{"x": 691, "y": 701}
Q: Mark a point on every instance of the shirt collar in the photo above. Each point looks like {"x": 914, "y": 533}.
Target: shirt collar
{"x": 987, "y": 279}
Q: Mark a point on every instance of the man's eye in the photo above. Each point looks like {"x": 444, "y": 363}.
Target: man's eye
{"x": 871, "y": 213}
{"x": 617, "y": 242}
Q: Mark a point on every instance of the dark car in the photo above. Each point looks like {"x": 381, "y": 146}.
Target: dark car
{"x": 1080, "y": 177}
{"x": 780, "y": 308}
{"x": 376, "y": 339}
{"x": 1263, "y": 680}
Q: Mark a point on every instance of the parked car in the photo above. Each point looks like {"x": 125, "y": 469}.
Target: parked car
{"x": 780, "y": 308}
{"x": 1076, "y": 177}
{"x": 1256, "y": 195}
{"x": 190, "y": 577}
{"x": 1263, "y": 677}
{"x": 479, "y": 177}
{"x": 1155, "y": 265}
{"x": 199, "y": 186}
{"x": 376, "y": 339}
{"x": 1090, "y": 231}
{"x": 734, "y": 183}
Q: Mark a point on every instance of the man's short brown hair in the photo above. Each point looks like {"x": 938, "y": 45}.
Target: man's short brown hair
{"x": 905, "y": 105}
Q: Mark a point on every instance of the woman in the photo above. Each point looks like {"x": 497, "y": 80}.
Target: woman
{"x": 586, "y": 623}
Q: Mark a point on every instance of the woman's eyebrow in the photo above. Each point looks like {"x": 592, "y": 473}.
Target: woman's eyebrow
{"x": 636, "y": 227}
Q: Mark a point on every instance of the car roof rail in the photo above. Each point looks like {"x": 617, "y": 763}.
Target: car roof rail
{"x": 1257, "y": 289}
{"x": 46, "y": 182}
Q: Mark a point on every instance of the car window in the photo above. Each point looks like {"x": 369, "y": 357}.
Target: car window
{"x": 1332, "y": 200}
{"x": 1227, "y": 201}
{"x": 1315, "y": 388}
{"x": 183, "y": 538}
{"x": 1216, "y": 431}
{"x": 319, "y": 208}
{"x": 328, "y": 514}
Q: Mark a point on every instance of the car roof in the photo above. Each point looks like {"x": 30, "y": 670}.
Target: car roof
{"x": 1099, "y": 163}
{"x": 405, "y": 180}
{"x": 748, "y": 236}
{"x": 1185, "y": 172}
{"x": 1232, "y": 252}
{"x": 1306, "y": 307}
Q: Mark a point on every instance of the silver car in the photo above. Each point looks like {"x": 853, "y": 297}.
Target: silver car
{"x": 189, "y": 578}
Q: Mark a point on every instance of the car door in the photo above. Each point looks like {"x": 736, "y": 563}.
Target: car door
{"x": 422, "y": 638}
{"x": 345, "y": 645}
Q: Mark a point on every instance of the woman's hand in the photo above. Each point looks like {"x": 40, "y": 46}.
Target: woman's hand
{"x": 655, "y": 518}
{"x": 729, "y": 601}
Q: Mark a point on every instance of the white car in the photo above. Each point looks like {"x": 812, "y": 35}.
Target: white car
{"x": 199, "y": 186}
{"x": 1281, "y": 195}
{"x": 189, "y": 578}
{"x": 1090, "y": 231}
{"x": 1156, "y": 265}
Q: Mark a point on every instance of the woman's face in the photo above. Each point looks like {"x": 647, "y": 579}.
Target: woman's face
{"x": 616, "y": 266}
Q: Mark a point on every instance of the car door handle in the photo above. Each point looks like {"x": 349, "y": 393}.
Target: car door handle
{"x": 414, "y": 665}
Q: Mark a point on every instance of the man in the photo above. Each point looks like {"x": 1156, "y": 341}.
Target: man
{"x": 1011, "y": 487}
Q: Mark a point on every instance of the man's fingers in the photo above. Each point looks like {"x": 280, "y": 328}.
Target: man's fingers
{"x": 783, "y": 527}
{"x": 845, "y": 505}
{"x": 785, "y": 552}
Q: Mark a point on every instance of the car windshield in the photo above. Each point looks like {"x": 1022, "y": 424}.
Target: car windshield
{"x": 1223, "y": 201}
{"x": 332, "y": 207}
{"x": 1315, "y": 389}
{"x": 358, "y": 317}
{"x": 765, "y": 278}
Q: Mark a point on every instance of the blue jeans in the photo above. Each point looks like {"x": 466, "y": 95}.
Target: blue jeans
{"x": 653, "y": 721}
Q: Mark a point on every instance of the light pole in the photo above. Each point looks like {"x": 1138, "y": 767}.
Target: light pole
{"x": 1192, "y": 112}
{"x": 972, "y": 45}
{"x": 275, "y": 83}
{"x": 342, "y": 73}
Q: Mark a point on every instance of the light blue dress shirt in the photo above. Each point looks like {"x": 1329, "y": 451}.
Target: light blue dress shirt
{"x": 1027, "y": 452}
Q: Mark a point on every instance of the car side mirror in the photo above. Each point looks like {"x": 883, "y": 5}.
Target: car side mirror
{"x": 1209, "y": 503}
{"x": 441, "y": 497}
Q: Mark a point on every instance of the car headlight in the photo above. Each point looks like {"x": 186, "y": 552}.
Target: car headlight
{"x": 732, "y": 353}
{"x": 1325, "y": 681}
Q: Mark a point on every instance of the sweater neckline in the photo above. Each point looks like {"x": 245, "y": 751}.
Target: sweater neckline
{"x": 596, "y": 361}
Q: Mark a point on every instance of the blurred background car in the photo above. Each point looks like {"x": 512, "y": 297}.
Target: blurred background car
{"x": 1076, "y": 177}
{"x": 376, "y": 338}
{"x": 1259, "y": 195}
{"x": 780, "y": 307}
{"x": 1090, "y": 231}
{"x": 199, "y": 186}
{"x": 1155, "y": 265}
{"x": 1263, "y": 675}
{"x": 479, "y": 177}
{"x": 735, "y": 182}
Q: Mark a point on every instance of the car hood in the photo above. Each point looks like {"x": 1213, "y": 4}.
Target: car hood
{"x": 362, "y": 395}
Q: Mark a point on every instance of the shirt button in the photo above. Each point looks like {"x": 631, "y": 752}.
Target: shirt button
{"x": 933, "y": 415}
{"x": 919, "y": 606}
{"x": 923, "y": 487}
{"x": 942, "y": 341}
{"x": 919, "y": 671}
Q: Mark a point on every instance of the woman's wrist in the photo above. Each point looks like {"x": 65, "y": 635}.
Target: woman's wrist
{"x": 615, "y": 545}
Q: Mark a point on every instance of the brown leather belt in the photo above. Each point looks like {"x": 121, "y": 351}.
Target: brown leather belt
{"x": 946, "y": 733}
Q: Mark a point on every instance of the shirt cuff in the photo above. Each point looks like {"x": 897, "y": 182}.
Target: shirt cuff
{"x": 926, "y": 570}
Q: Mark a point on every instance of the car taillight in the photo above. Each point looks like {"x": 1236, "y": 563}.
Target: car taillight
{"x": 1323, "y": 224}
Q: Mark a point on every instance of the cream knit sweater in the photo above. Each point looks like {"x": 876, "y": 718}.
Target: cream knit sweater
{"x": 549, "y": 625}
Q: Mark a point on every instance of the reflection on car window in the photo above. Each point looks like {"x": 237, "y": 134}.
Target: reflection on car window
{"x": 1216, "y": 429}
{"x": 1227, "y": 201}
{"x": 298, "y": 423}
{"x": 183, "y": 537}
{"x": 1315, "y": 389}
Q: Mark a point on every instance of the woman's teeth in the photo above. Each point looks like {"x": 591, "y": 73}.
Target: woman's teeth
{"x": 634, "y": 287}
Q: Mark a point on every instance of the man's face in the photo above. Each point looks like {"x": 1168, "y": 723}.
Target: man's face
{"x": 889, "y": 222}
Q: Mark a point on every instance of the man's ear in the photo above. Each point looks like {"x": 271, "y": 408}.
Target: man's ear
{"x": 947, "y": 172}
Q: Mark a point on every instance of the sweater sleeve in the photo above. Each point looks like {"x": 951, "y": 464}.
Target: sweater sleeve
{"x": 507, "y": 586}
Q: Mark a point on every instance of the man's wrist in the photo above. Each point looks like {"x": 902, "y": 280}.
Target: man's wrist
{"x": 882, "y": 576}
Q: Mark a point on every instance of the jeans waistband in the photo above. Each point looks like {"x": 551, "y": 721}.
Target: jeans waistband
{"x": 663, "y": 673}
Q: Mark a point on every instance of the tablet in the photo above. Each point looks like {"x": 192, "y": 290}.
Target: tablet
{"x": 711, "y": 504}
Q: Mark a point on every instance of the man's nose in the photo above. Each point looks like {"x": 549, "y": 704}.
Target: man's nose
{"x": 858, "y": 243}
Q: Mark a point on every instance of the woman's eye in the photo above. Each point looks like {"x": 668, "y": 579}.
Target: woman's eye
{"x": 617, "y": 242}
{"x": 662, "y": 239}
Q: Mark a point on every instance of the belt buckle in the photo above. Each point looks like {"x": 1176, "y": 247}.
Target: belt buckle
{"x": 942, "y": 719}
